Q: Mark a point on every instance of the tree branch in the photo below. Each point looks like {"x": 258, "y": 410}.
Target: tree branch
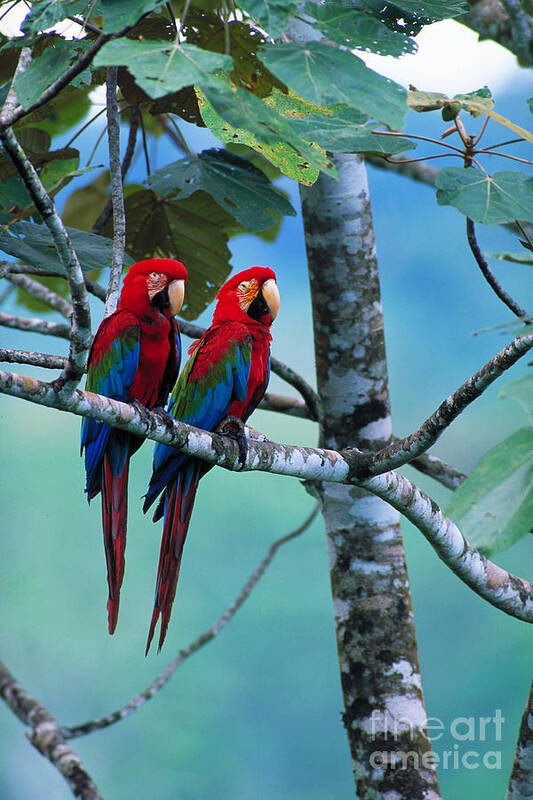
{"x": 439, "y": 470}
{"x": 404, "y": 450}
{"x": 35, "y": 325}
{"x": 501, "y": 589}
{"x": 504, "y": 22}
{"x": 204, "y": 638}
{"x": 42, "y": 293}
{"x": 513, "y": 595}
{"x": 10, "y": 268}
{"x": 46, "y": 736}
{"x": 487, "y": 272}
{"x": 34, "y": 359}
{"x": 117, "y": 197}
{"x": 521, "y": 780}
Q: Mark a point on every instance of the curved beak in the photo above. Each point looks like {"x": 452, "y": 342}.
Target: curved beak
{"x": 176, "y": 295}
{"x": 271, "y": 294}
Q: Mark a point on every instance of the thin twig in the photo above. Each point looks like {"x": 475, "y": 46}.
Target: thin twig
{"x": 117, "y": 197}
{"x": 508, "y": 155}
{"x": 46, "y": 736}
{"x": 204, "y": 638}
{"x": 422, "y": 138}
{"x": 488, "y": 274}
{"x": 10, "y": 268}
{"x": 42, "y": 293}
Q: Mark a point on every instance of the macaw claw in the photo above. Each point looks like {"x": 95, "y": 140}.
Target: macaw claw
{"x": 235, "y": 429}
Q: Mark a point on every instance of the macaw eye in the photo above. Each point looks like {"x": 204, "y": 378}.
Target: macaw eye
{"x": 243, "y": 286}
{"x": 154, "y": 275}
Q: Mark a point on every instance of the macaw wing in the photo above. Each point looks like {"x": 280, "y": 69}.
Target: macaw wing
{"x": 215, "y": 375}
{"x": 113, "y": 363}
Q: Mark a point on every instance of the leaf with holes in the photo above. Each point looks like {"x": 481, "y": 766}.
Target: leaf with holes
{"x": 33, "y": 244}
{"x": 241, "y": 118}
{"x": 326, "y": 76}
{"x": 492, "y": 199}
{"x": 235, "y": 184}
{"x": 493, "y": 507}
{"x": 434, "y": 9}
{"x": 177, "y": 229}
{"x": 162, "y": 68}
{"x": 273, "y": 16}
{"x": 353, "y": 28}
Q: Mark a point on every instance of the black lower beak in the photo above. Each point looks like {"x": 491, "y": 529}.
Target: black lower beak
{"x": 161, "y": 300}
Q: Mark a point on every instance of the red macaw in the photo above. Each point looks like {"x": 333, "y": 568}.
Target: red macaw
{"x": 135, "y": 357}
{"x": 226, "y": 375}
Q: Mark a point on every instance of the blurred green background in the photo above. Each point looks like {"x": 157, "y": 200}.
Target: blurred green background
{"x": 257, "y": 712}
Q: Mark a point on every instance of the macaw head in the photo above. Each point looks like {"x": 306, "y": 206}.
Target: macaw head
{"x": 159, "y": 282}
{"x": 249, "y": 295}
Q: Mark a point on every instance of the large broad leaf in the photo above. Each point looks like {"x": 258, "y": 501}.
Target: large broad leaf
{"x": 239, "y": 117}
{"x": 326, "y": 76}
{"x": 273, "y": 16}
{"x": 193, "y": 230}
{"x": 33, "y": 244}
{"x": 60, "y": 114}
{"x": 353, "y": 28}
{"x": 521, "y": 391}
{"x": 342, "y": 132}
{"x": 45, "y": 13}
{"x": 491, "y": 199}
{"x": 207, "y": 30}
{"x": 162, "y": 68}
{"x": 233, "y": 182}
{"x": 49, "y": 66}
{"x": 517, "y": 258}
{"x": 118, "y": 14}
{"x": 494, "y": 506}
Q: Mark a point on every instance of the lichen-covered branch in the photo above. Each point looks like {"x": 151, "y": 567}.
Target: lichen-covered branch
{"x": 34, "y": 359}
{"x": 500, "y": 588}
{"x": 46, "y": 736}
{"x": 305, "y": 463}
{"x": 42, "y": 293}
{"x": 521, "y": 780}
{"x": 10, "y": 268}
{"x": 117, "y": 197}
{"x": 439, "y": 470}
{"x": 199, "y": 642}
{"x": 404, "y": 450}
{"x": 35, "y": 325}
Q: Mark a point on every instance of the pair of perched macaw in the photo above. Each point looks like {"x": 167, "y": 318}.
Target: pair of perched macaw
{"x": 135, "y": 358}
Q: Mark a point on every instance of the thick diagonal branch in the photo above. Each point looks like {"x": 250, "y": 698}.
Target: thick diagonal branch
{"x": 80, "y": 335}
{"x": 46, "y": 736}
{"x": 204, "y": 638}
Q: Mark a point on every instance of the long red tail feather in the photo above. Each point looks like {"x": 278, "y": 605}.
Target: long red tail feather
{"x": 114, "y": 523}
{"x": 177, "y": 517}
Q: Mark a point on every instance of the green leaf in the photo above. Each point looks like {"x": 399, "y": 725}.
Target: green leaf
{"x": 521, "y": 391}
{"x": 529, "y": 101}
{"x": 353, "y": 28}
{"x": 326, "y": 76}
{"x": 33, "y": 244}
{"x": 118, "y": 14}
{"x": 341, "y": 132}
{"x": 84, "y": 206}
{"x": 235, "y": 184}
{"x": 273, "y": 16}
{"x": 435, "y": 9}
{"x": 60, "y": 114}
{"x": 491, "y": 199}
{"x": 193, "y": 230}
{"x": 517, "y": 258}
{"x": 162, "y": 68}
{"x": 493, "y": 507}
{"x": 239, "y": 117}
{"x": 45, "y": 13}
{"x": 14, "y": 195}
{"x": 475, "y": 103}
{"x": 34, "y": 140}
{"x": 49, "y": 66}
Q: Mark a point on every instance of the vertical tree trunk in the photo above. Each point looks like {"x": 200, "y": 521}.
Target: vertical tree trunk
{"x": 384, "y": 706}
